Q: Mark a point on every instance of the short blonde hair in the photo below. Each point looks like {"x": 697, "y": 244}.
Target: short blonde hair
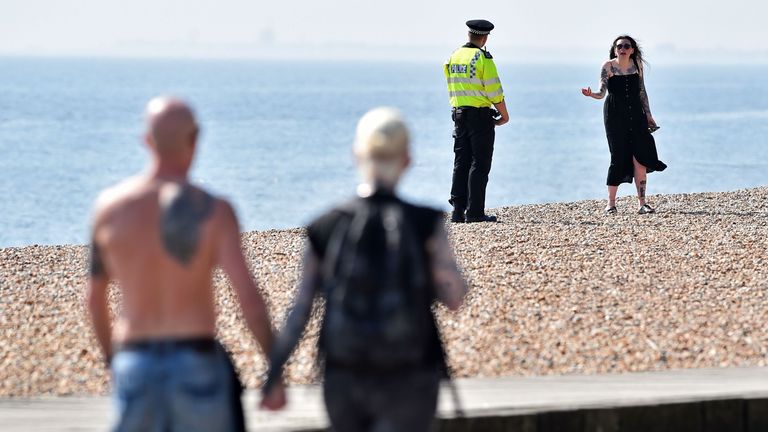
{"x": 381, "y": 144}
{"x": 381, "y": 134}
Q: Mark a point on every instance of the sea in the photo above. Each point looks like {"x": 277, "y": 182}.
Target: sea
{"x": 276, "y": 135}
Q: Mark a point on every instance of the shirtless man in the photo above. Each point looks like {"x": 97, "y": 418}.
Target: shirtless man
{"x": 161, "y": 237}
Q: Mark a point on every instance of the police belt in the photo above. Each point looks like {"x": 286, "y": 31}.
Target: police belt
{"x": 473, "y": 112}
{"x": 461, "y": 109}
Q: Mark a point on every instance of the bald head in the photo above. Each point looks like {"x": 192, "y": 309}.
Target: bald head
{"x": 171, "y": 125}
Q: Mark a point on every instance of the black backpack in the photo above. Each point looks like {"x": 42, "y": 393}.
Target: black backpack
{"x": 377, "y": 288}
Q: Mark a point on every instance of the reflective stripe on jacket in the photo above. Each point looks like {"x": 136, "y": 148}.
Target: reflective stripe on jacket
{"x": 472, "y": 78}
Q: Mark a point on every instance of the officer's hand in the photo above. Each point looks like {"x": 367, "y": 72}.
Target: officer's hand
{"x": 275, "y": 399}
{"x": 501, "y": 121}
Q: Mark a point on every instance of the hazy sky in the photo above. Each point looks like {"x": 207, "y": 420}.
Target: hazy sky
{"x": 542, "y": 31}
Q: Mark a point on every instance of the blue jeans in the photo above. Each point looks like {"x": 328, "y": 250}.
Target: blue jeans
{"x": 172, "y": 385}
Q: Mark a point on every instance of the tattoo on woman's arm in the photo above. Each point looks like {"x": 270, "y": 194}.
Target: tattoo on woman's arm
{"x": 449, "y": 282}
{"x": 603, "y": 83}
{"x": 644, "y": 97}
{"x": 297, "y": 319}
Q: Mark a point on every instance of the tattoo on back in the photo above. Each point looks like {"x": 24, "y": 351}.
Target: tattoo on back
{"x": 97, "y": 263}
{"x": 184, "y": 209}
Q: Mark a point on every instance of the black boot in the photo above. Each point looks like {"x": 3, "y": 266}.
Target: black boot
{"x": 483, "y": 218}
{"x": 457, "y": 215}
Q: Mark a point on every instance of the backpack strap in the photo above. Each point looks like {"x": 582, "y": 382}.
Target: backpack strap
{"x": 347, "y": 231}
{"x": 415, "y": 247}
{"x": 333, "y": 250}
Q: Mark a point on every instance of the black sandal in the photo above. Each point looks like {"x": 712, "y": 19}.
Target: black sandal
{"x": 646, "y": 209}
{"x": 611, "y": 210}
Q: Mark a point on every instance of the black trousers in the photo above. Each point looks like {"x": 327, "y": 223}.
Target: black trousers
{"x": 403, "y": 401}
{"x": 473, "y": 150}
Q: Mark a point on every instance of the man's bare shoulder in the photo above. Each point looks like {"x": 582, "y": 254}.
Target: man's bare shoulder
{"x": 113, "y": 198}
{"x": 224, "y": 219}
{"x": 223, "y": 211}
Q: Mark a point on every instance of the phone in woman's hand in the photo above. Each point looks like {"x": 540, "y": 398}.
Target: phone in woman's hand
{"x": 653, "y": 128}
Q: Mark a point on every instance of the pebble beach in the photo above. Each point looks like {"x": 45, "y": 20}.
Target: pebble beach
{"x": 554, "y": 289}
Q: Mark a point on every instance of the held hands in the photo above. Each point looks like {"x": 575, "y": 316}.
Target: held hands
{"x": 501, "y": 120}
{"x": 275, "y": 400}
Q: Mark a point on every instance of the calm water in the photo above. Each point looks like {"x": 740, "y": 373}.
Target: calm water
{"x": 276, "y": 135}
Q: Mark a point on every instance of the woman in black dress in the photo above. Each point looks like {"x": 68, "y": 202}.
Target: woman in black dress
{"x": 628, "y": 121}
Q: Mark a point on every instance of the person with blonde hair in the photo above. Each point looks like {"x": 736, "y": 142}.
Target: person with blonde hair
{"x": 379, "y": 263}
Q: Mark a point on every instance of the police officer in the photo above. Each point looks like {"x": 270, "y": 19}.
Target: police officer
{"x": 474, "y": 88}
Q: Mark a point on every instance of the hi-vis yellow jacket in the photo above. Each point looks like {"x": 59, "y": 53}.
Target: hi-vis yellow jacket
{"x": 472, "y": 78}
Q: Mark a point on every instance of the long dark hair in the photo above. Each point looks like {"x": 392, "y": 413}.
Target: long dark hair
{"x": 637, "y": 55}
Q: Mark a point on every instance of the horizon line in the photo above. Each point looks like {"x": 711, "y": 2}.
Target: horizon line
{"x": 716, "y": 61}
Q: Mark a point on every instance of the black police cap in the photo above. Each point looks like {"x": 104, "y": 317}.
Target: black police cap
{"x": 481, "y": 26}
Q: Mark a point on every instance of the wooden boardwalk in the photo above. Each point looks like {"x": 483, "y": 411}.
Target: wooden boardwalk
{"x": 714, "y": 396}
